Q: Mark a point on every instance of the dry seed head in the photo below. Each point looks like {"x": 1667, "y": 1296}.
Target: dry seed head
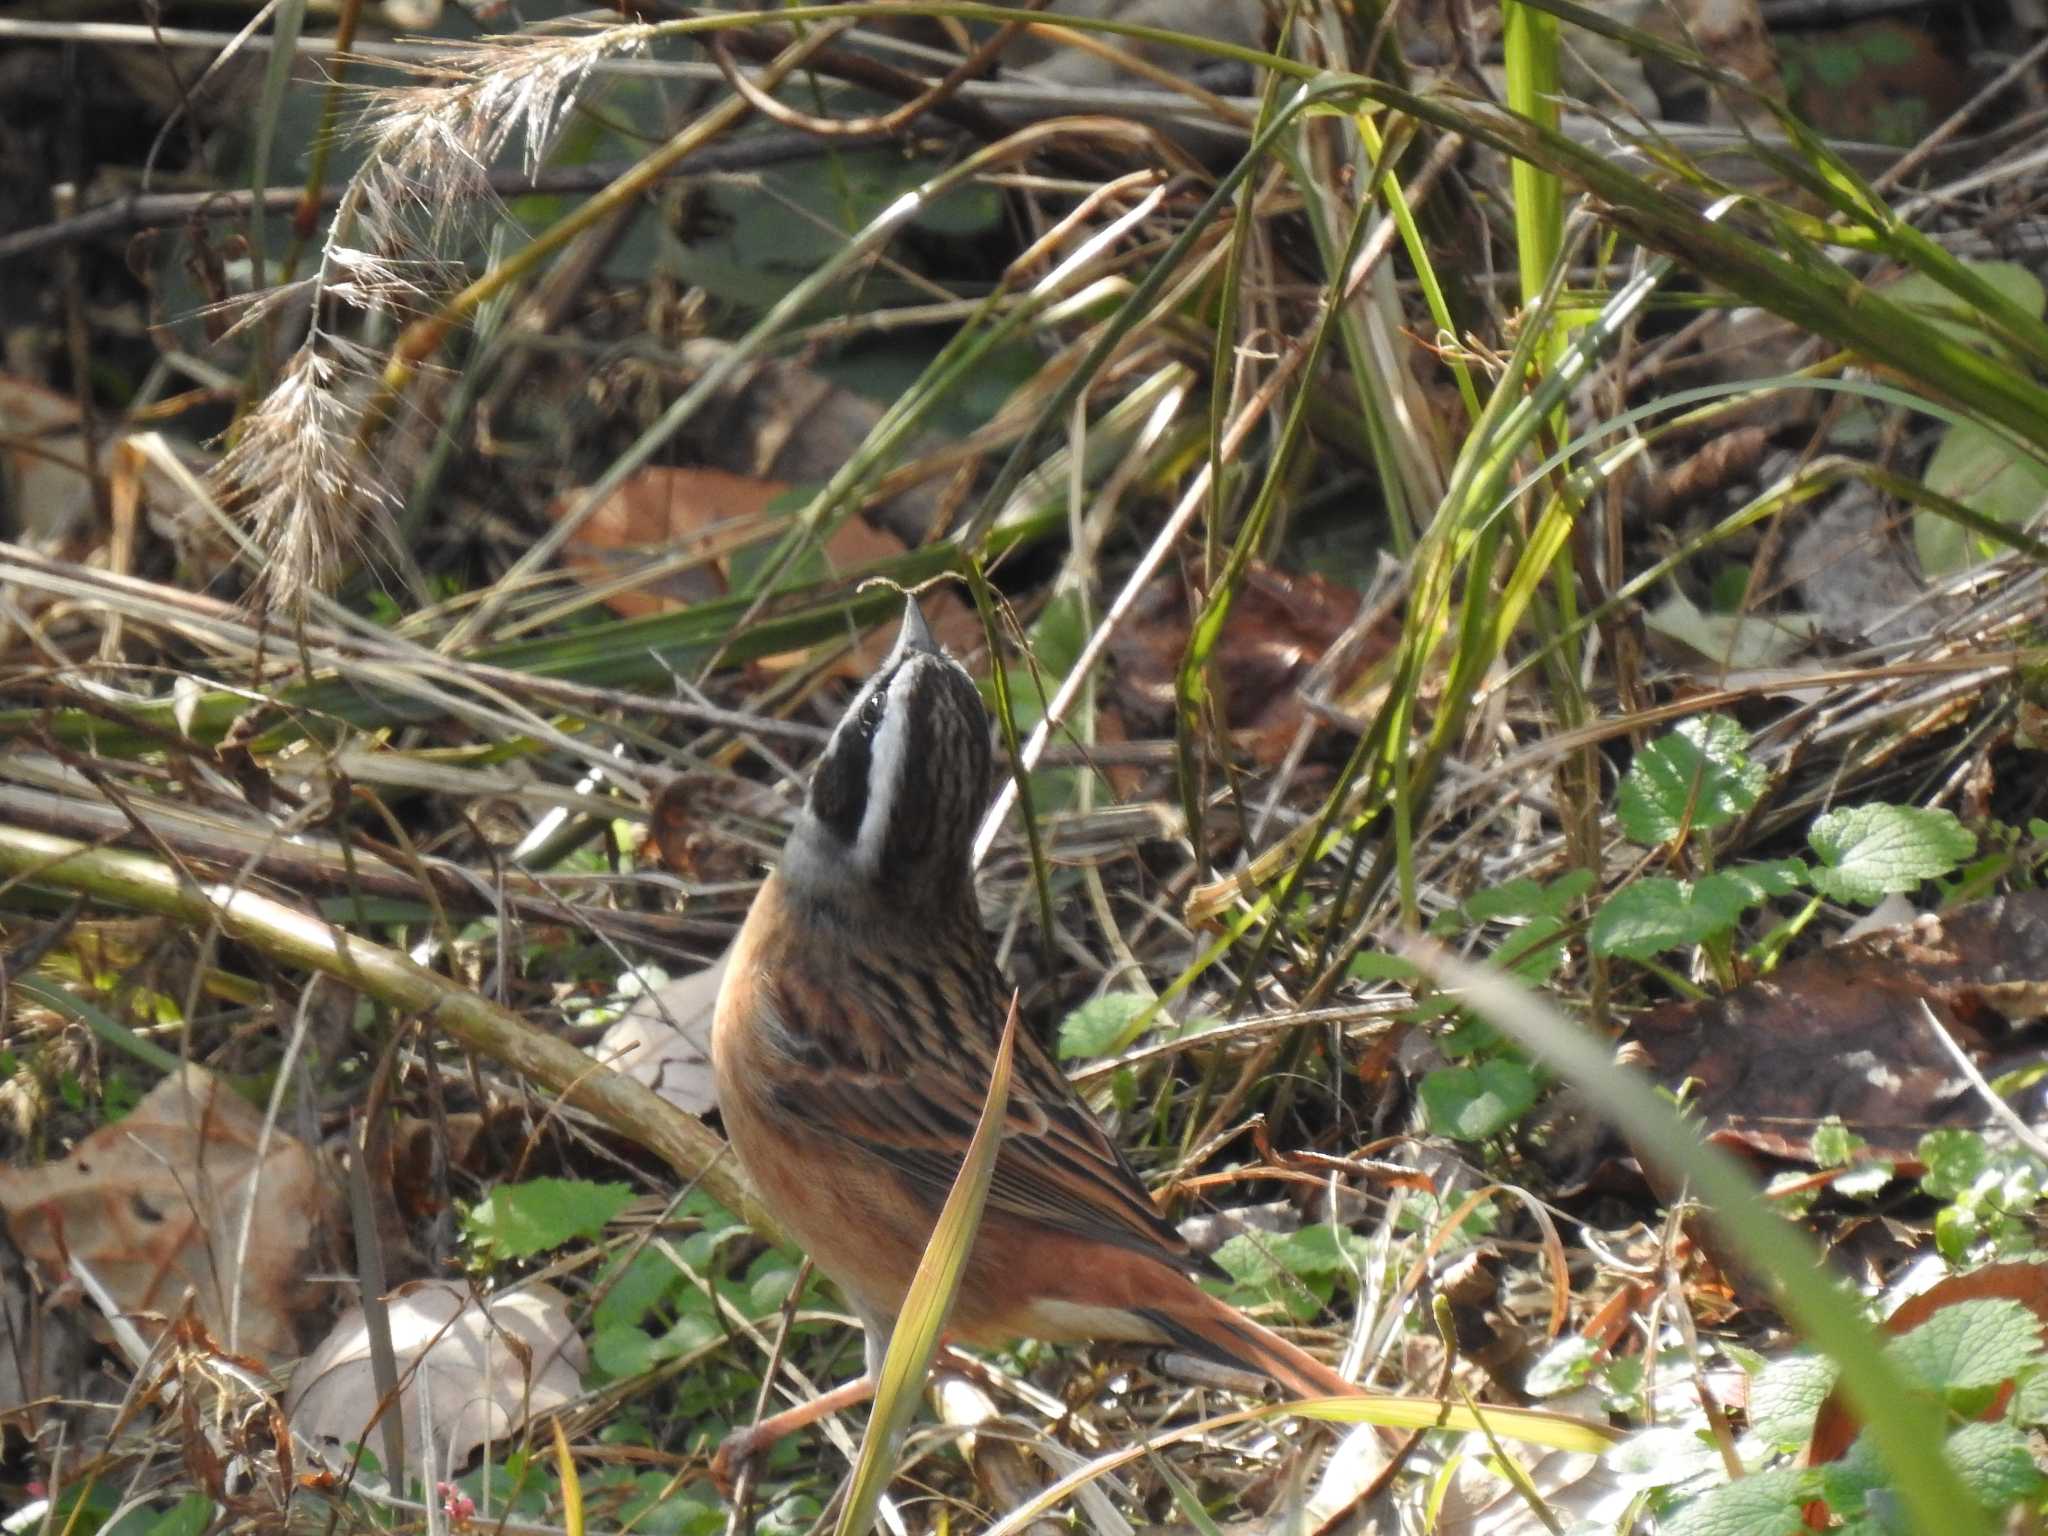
{"x": 431, "y": 145}
{"x": 306, "y": 496}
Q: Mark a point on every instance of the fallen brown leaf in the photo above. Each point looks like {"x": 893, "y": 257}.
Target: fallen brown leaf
{"x": 185, "y": 1194}
{"x": 485, "y": 1366}
{"x": 1279, "y": 627}
{"x": 710, "y": 514}
{"x": 1842, "y": 1032}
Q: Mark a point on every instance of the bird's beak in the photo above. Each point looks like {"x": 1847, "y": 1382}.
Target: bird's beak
{"x": 916, "y": 635}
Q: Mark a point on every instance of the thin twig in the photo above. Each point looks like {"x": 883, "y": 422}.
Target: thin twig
{"x": 142, "y": 209}
{"x": 2001, "y": 1111}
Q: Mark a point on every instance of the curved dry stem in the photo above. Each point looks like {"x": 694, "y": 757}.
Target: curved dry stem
{"x": 853, "y": 127}
{"x": 300, "y": 938}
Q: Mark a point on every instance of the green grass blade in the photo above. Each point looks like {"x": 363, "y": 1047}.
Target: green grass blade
{"x": 1529, "y": 39}
{"x": 1905, "y": 1428}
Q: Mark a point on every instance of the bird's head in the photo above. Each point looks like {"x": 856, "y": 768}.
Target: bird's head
{"x": 892, "y": 805}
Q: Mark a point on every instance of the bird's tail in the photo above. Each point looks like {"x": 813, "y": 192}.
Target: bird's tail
{"x": 1202, "y": 1325}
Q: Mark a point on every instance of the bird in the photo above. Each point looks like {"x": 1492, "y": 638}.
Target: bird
{"x": 853, "y": 1041}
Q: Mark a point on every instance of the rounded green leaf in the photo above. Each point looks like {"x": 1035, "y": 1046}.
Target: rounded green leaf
{"x": 1102, "y": 1026}
{"x": 1785, "y": 1399}
{"x": 1768, "y": 1503}
{"x": 520, "y": 1220}
{"x": 1473, "y": 1103}
{"x": 1983, "y": 471}
{"x": 1660, "y": 914}
{"x": 1978, "y": 1343}
{"x": 1699, "y": 777}
{"x": 1868, "y": 852}
{"x": 1995, "y": 1463}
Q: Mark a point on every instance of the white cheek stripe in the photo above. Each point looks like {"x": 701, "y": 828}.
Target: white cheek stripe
{"x": 885, "y": 769}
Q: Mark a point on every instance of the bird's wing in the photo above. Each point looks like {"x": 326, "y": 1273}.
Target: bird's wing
{"x": 911, "y": 1096}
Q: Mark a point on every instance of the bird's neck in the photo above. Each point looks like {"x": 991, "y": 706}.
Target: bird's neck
{"x": 865, "y": 912}
{"x": 832, "y": 888}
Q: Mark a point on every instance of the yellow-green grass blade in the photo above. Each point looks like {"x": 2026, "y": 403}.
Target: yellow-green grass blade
{"x": 1536, "y": 1426}
{"x": 915, "y": 1338}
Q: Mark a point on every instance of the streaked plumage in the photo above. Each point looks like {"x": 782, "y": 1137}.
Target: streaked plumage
{"x": 854, "y": 1041}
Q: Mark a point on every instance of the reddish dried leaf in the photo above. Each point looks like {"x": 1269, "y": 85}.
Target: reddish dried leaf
{"x": 1731, "y": 34}
{"x": 160, "y": 1204}
{"x": 420, "y": 1153}
{"x": 689, "y": 825}
{"x": 1279, "y": 627}
{"x": 708, "y": 514}
{"x": 1883, "y": 82}
{"x": 1835, "y": 1426}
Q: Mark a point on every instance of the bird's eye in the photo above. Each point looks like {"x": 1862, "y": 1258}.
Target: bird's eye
{"x": 871, "y": 712}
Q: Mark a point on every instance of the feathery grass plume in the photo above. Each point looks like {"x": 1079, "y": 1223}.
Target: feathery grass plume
{"x": 431, "y": 145}
{"x": 308, "y": 499}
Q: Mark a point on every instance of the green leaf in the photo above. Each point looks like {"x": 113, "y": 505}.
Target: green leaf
{"x": 1771, "y": 878}
{"x": 1534, "y": 950}
{"x": 656, "y": 1508}
{"x": 1267, "y": 1271}
{"x": 1768, "y": 1503}
{"x": 691, "y": 1332}
{"x": 1249, "y": 1258}
{"x": 1528, "y": 898}
{"x": 1536, "y": 947}
{"x": 794, "y": 1514}
{"x": 1659, "y": 913}
{"x": 1321, "y": 1250}
{"x": 1834, "y": 1143}
{"x": 1699, "y": 777}
{"x": 1868, "y": 852}
{"x": 188, "y": 1517}
{"x": 1854, "y": 1484}
{"x": 1945, "y": 311}
{"x": 1785, "y": 1399}
{"x": 1954, "y": 1161}
{"x": 1994, "y": 1463}
{"x": 1977, "y": 1343}
{"x": 632, "y": 1291}
{"x": 1978, "y": 468}
{"x": 1563, "y": 1366}
{"x": 1294, "y": 1269}
{"x": 520, "y": 1220}
{"x": 623, "y": 1352}
{"x": 1102, "y": 1026}
{"x": 768, "y": 1289}
{"x": 1956, "y": 1230}
{"x": 1473, "y": 1103}
{"x": 1378, "y": 965}
{"x": 2029, "y": 1403}
{"x": 1662, "y": 1457}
